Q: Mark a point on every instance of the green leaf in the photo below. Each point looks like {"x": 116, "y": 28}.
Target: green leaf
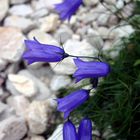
{"x": 137, "y": 62}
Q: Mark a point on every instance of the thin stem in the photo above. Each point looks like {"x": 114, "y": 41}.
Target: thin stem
{"x": 97, "y": 58}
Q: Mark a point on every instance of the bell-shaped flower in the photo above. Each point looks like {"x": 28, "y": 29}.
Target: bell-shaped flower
{"x": 85, "y": 130}
{"x": 69, "y": 131}
{"x": 72, "y": 101}
{"x": 38, "y": 52}
{"x": 92, "y": 69}
{"x": 67, "y": 8}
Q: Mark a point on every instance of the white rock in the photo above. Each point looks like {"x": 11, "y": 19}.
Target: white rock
{"x": 2, "y": 64}
{"x": 21, "y": 10}
{"x": 57, "y": 134}
{"x": 104, "y": 32}
{"x": 91, "y": 2}
{"x": 102, "y": 19}
{"x": 95, "y": 39}
{"x": 113, "y": 20}
{"x": 120, "y": 4}
{"x": 37, "y": 138}
{"x": 43, "y": 90}
{"x": 59, "y": 81}
{"x": 123, "y": 31}
{"x": 18, "y": 1}
{"x": 77, "y": 48}
{"x": 42, "y": 37}
{"x": 19, "y": 103}
{"x": 24, "y": 24}
{"x": 11, "y": 40}
{"x": 39, "y": 13}
{"x": 63, "y": 33}
{"x": 22, "y": 84}
{"x": 4, "y": 5}
{"x": 2, "y": 107}
{"x": 13, "y": 128}
{"x": 37, "y": 117}
{"x": 40, "y": 4}
{"x": 49, "y": 23}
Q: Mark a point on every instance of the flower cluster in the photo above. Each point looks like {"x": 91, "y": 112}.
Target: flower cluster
{"x": 38, "y": 52}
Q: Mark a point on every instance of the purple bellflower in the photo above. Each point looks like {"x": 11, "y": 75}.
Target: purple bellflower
{"x": 67, "y": 8}
{"x": 92, "y": 69}
{"x": 69, "y": 131}
{"x": 38, "y": 52}
{"x": 72, "y": 101}
{"x": 85, "y": 130}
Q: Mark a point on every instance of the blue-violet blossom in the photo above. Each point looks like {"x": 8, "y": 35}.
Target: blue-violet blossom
{"x": 67, "y": 8}
{"x": 72, "y": 101}
{"x": 69, "y": 131}
{"x": 92, "y": 69}
{"x": 85, "y": 130}
{"x": 38, "y": 52}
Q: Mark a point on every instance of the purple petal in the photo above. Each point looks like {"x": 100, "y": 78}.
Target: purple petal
{"x": 85, "y": 130}
{"x": 69, "y": 131}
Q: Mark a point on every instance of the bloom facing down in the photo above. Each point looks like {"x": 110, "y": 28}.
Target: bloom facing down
{"x": 67, "y": 8}
{"x": 37, "y": 52}
{"x": 85, "y": 130}
{"x": 72, "y": 101}
{"x": 90, "y": 69}
{"x": 69, "y": 131}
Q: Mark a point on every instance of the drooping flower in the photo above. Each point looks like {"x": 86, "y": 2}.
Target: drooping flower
{"x": 72, "y": 101}
{"x": 38, "y": 52}
{"x": 92, "y": 69}
{"x": 69, "y": 131}
{"x": 85, "y": 130}
{"x": 67, "y": 8}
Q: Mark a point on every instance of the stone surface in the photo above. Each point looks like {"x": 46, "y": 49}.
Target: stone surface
{"x": 37, "y": 138}
{"x": 18, "y": 1}
{"x": 102, "y": 20}
{"x": 19, "y": 104}
{"x": 59, "y": 81}
{"x": 39, "y": 13}
{"x": 2, "y": 107}
{"x": 43, "y": 90}
{"x": 57, "y": 134}
{"x": 49, "y": 23}
{"x": 42, "y": 37}
{"x": 37, "y": 117}
{"x": 91, "y": 2}
{"x": 19, "y": 84}
{"x": 21, "y": 10}
{"x": 4, "y": 5}
{"x": 13, "y": 128}
{"x": 63, "y": 33}
{"x": 73, "y": 47}
{"x": 2, "y": 64}
{"x": 11, "y": 40}
{"x": 24, "y": 24}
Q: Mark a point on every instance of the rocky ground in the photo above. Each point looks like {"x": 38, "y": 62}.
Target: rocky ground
{"x": 27, "y": 92}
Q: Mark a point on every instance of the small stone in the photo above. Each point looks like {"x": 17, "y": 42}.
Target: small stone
{"x": 18, "y": 1}
{"x": 43, "y": 90}
{"x": 49, "y": 23}
{"x": 59, "y": 81}
{"x": 12, "y": 128}
{"x": 11, "y": 44}
{"x": 94, "y": 39}
{"x": 42, "y": 37}
{"x": 19, "y": 103}
{"x": 24, "y": 24}
{"x": 113, "y": 20}
{"x": 73, "y": 47}
{"x": 4, "y": 5}
{"x": 91, "y": 2}
{"x": 22, "y": 85}
{"x": 120, "y": 4}
{"x": 2, "y": 64}
{"x": 102, "y": 19}
{"x": 103, "y": 32}
{"x": 57, "y": 134}
{"x": 39, "y": 13}
{"x": 37, "y": 117}
{"x": 63, "y": 33}
{"x": 2, "y": 107}
{"x": 21, "y": 10}
{"x": 37, "y": 138}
